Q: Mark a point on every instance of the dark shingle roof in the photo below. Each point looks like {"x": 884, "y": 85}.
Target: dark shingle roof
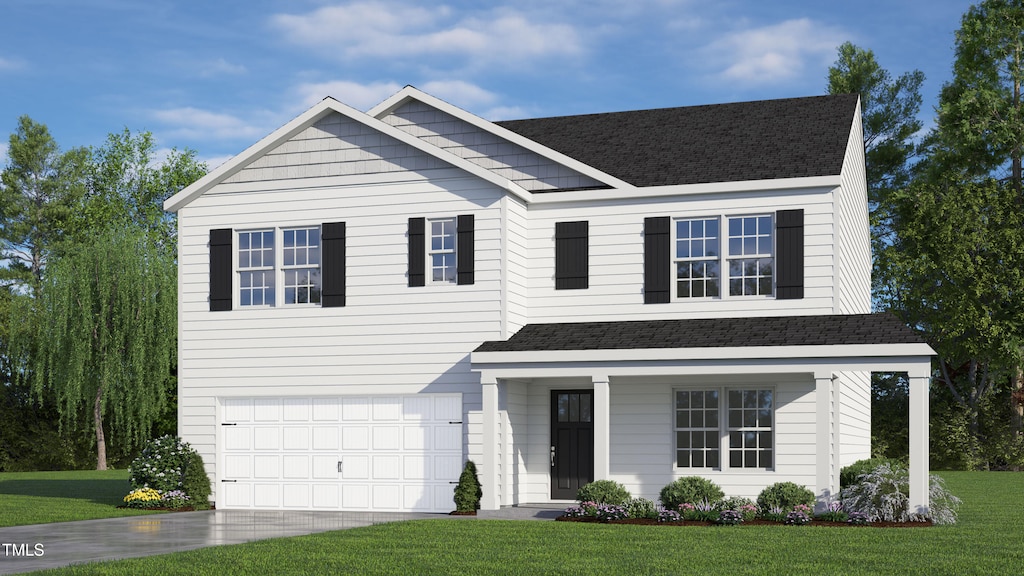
{"x": 709, "y": 333}
{"x": 763, "y": 140}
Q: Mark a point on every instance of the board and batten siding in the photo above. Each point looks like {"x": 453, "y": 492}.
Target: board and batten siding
{"x": 388, "y": 339}
{"x": 853, "y": 233}
{"x": 617, "y": 258}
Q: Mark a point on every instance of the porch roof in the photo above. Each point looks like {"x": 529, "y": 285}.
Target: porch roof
{"x": 826, "y": 330}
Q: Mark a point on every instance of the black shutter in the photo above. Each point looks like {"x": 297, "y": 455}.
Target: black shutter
{"x": 789, "y": 257}
{"x": 417, "y": 252}
{"x": 332, "y": 265}
{"x": 220, "y": 269}
{"x": 464, "y": 257}
{"x": 572, "y": 255}
{"x": 657, "y": 260}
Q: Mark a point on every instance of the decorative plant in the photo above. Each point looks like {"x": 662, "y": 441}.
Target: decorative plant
{"x": 850, "y": 475}
{"x": 604, "y": 492}
{"x": 196, "y": 484}
{"x": 168, "y": 464}
{"x": 641, "y": 508}
{"x": 772, "y": 514}
{"x": 669, "y": 516}
{"x": 744, "y": 506}
{"x": 797, "y": 518}
{"x": 175, "y": 500}
{"x": 784, "y": 495}
{"x": 883, "y": 494}
{"x": 858, "y": 518}
{"x": 691, "y": 489}
{"x": 833, "y": 513}
{"x": 730, "y": 517}
{"x": 468, "y": 491}
{"x": 143, "y": 498}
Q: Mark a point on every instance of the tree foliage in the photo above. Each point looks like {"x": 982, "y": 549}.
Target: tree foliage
{"x": 39, "y": 191}
{"x": 108, "y": 343}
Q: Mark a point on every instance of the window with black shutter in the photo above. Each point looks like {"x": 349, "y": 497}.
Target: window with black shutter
{"x": 572, "y": 255}
{"x": 333, "y": 264}
{"x": 220, "y": 269}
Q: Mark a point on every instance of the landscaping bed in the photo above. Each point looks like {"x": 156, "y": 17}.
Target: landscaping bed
{"x": 756, "y": 522}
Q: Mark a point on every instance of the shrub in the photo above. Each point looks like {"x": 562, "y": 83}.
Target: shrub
{"x": 641, "y": 508}
{"x": 797, "y": 518}
{"x": 730, "y": 517}
{"x": 669, "y": 516}
{"x": 858, "y": 519}
{"x": 468, "y": 491}
{"x": 745, "y": 506}
{"x": 161, "y": 465}
{"x": 175, "y": 500}
{"x": 883, "y": 494}
{"x": 850, "y": 475}
{"x": 604, "y": 492}
{"x": 690, "y": 489}
{"x": 196, "y": 484}
{"x": 784, "y": 495}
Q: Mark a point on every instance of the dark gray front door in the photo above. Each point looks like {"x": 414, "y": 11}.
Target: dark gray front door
{"x": 572, "y": 442}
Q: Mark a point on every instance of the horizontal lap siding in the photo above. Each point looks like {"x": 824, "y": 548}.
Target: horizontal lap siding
{"x": 853, "y": 247}
{"x": 518, "y": 265}
{"x": 617, "y": 258}
{"x": 388, "y": 339}
{"x": 854, "y": 416}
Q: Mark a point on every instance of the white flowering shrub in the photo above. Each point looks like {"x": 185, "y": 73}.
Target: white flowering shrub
{"x": 882, "y": 495}
{"x": 161, "y": 465}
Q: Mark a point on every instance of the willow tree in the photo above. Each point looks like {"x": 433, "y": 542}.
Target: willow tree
{"x": 109, "y": 340}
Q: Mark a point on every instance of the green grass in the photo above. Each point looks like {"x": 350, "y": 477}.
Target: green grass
{"x": 44, "y": 497}
{"x": 986, "y": 540}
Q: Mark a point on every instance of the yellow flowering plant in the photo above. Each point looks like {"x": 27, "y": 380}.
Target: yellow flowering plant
{"x": 143, "y": 498}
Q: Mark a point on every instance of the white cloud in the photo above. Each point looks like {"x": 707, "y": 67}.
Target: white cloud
{"x": 459, "y": 93}
{"x": 359, "y": 96}
{"x": 220, "y": 67}
{"x": 10, "y": 64}
{"x": 195, "y": 123}
{"x": 776, "y": 53}
{"x": 3, "y": 154}
{"x": 213, "y": 162}
{"x": 504, "y": 113}
{"x": 400, "y": 29}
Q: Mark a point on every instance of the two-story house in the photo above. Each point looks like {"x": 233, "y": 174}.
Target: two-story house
{"x": 369, "y": 299}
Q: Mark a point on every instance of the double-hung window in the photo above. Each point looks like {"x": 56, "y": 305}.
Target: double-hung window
{"x": 736, "y": 421}
{"x": 279, "y": 266}
{"x": 745, "y": 266}
{"x": 256, "y": 268}
{"x": 441, "y": 253}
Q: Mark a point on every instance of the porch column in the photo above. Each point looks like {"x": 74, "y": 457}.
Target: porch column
{"x": 919, "y": 441}
{"x": 602, "y": 428}
{"x": 489, "y": 482}
{"x": 827, "y": 454}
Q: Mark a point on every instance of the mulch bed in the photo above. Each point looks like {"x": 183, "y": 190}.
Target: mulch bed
{"x": 185, "y": 509}
{"x": 651, "y": 522}
{"x": 464, "y": 513}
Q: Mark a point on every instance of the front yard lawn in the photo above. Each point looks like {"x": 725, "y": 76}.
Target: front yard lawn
{"x": 986, "y": 540}
{"x": 44, "y": 497}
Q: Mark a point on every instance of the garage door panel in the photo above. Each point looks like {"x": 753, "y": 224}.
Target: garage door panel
{"x": 416, "y": 468}
{"x": 386, "y": 437}
{"x": 236, "y": 495}
{"x": 416, "y": 498}
{"x": 238, "y": 466}
{"x": 386, "y": 497}
{"x": 448, "y": 437}
{"x": 267, "y": 409}
{"x": 267, "y": 466}
{"x": 326, "y": 438}
{"x": 355, "y": 467}
{"x": 355, "y": 408}
{"x": 448, "y": 467}
{"x": 296, "y": 438}
{"x": 325, "y": 467}
{"x": 267, "y": 495}
{"x": 296, "y": 466}
{"x": 355, "y": 438}
{"x": 326, "y": 496}
{"x": 417, "y": 408}
{"x": 237, "y": 438}
{"x": 238, "y": 410}
{"x": 387, "y": 409}
{"x": 266, "y": 438}
{"x": 325, "y": 410}
{"x": 415, "y": 438}
{"x": 355, "y": 496}
{"x": 387, "y": 467}
{"x": 296, "y": 409}
{"x": 296, "y": 495}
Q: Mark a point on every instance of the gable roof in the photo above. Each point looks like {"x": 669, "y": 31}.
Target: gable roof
{"x": 831, "y": 330}
{"x": 762, "y": 140}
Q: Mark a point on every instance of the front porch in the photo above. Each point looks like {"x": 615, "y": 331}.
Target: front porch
{"x": 819, "y": 399}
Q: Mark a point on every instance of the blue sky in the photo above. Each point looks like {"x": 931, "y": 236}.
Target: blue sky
{"x": 216, "y": 76}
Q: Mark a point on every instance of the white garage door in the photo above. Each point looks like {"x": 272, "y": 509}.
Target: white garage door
{"x": 393, "y": 453}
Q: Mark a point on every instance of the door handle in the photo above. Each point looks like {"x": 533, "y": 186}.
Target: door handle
{"x": 552, "y": 456}
{"x": 339, "y": 467}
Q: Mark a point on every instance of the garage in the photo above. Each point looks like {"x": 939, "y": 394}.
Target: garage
{"x": 400, "y": 453}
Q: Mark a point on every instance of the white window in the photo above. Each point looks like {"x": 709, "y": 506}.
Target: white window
{"x": 256, "y": 268}
{"x": 279, "y": 266}
{"x": 441, "y": 256}
{"x": 702, "y": 266}
{"x": 743, "y": 419}
{"x": 301, "y": 265}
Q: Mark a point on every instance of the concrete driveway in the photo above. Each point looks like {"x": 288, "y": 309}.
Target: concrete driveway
{"x": 27, "y": 548}
{"x": 40, "y": 546}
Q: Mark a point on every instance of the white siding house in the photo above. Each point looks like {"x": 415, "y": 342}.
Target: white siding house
{"x": 369, "y": 299}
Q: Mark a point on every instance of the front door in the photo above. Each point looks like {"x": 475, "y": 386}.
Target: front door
{"x": 572, "y": 442}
